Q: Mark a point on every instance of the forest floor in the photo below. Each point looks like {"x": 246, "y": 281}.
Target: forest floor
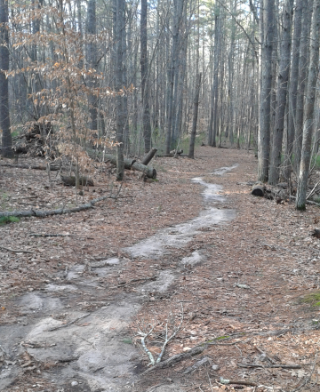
{"x": 76, "y": 289}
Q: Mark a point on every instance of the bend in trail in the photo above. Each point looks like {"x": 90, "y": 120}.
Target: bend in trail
{"x": 91, "y": 348}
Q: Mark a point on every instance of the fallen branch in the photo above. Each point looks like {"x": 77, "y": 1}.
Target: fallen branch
{"x": 167, "y": 339}
{"x": 59, "y": 211}
{"x": 228, "y": 382}
{"x": 308, "y": 378}
{"x": 177, "y": 358}
{"x": 68, "y": 324}
{"x": 254, "y": 365}
{"x": 15, "y": 250}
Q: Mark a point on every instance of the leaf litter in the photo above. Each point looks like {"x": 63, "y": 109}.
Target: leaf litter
{"x": 266, "y": 247}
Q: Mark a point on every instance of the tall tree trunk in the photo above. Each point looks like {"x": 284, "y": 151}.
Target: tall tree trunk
{"x": 283, "y": 77}
{"x": 172, "y": 71}
{"x": 4, "y": 90}
{"x": 92, "y": 63}
{"x": 294, "y": 75}
{"x": 309, "y": 114}
{"x": 195, "y": 117}
{"x": 303, "y": 70}
{"x": 215, "y": 87}
{"x": 265, "y": 107}
{"x": 118, "y": 64}
{"x": 145, "y": 77}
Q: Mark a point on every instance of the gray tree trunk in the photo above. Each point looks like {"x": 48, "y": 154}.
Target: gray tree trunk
{"x": 91, "y": 56}
{"x": 195, "y": 117}
{"x": 265, "y": 99}
{"x": 303, "y": 71}
{"x": 294, "y": 75}
{"x": 4, "y": 91}
{"x": 145, "y": 77}
{"x": 118, "y": 69}
{"x": 214, "y": 92}
{"x": 309, "y": 114}
{"x": 172, "y": 71}
{"x": 282, "y": 86}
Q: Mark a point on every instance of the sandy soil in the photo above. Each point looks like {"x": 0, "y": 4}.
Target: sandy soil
{"x": 248, "y": 283}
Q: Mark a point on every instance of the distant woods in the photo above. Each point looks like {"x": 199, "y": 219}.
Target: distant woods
{"x": 138, "y": 75}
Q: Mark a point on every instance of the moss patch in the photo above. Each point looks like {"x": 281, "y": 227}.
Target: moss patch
{"x": 313, "y": 299}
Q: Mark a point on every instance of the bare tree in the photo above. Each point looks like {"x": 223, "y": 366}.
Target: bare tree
{"x": 265, "y": 99}
{"x": 4, "y": 91}
{"x": 282, "y": 88}
{"x": 309, "y": 112}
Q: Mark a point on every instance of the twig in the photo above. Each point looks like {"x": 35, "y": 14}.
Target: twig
{"x": 307, "y": 379}
{"x": 265, "y": 355}
{"x": 14, "y": 250}
{"x": 255, "y": 365}
{"x": 177, "y": 358}
{"x": 68, "y": 324}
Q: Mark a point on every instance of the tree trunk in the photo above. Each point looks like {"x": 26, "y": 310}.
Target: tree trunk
{"x": 294, "y": 75}
{"x": 283, "y": 77}
{"x": 118, "y": 31}
{"x": 92, "y": 63}
{"x": 265, "y": 104}
{"x": 309, "y": 109}
{"x": 144, "y": 77}
{"x": 303, "y": 76}
{"x": 195, "y": 117}
{"x": 4, "y": 91}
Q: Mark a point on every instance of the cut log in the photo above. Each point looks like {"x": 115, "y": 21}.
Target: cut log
{"x": 127, "y": 161}
{"x": 132, "y": 164}
{"x": 149, "y": 156}
{"x": 71, "y": 181}
{"x": 258, "y": 190}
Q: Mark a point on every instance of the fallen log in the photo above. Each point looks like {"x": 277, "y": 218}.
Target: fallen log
{"x": 258, "y": 190}
{"x": 132, "y": 164}
{"x": 71, "y": 181}
{"x": 59, "y": 211}
{"x": 149, "y": 156}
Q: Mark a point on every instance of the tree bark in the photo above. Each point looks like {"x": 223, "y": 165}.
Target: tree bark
{"x": 303, "y": 76}
{"x": 265, "y": 99}
{"x": 4, "y": 87}
{"x": 283, "y": 78}
{"x": 195, "y": 117}
{"x": 91, "y": 55}
{"x": 293, "y": 87}
{"x": 309, "y": 109}
{"x": 144, "y": 77}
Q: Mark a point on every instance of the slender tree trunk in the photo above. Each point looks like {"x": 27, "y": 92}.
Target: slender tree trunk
{"x": 265, "y": 99}
{"x": 294, "y": 75}
{"x": 215, "y": 87}
{"x": 118, "y": 31}
{"x": 4, "y": 90}
{"x": 303, "y": 69}
{"x": 309, "y": 109}
{"x": 172, "y": 74}
{"x": 92, "y": 63}
{"x": 283, "y": 78}
{"x": 145, "y": 77}
{"x": 195, "y": 117}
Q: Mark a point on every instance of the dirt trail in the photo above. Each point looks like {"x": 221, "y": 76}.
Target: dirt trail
{"x": 239, "y": 265}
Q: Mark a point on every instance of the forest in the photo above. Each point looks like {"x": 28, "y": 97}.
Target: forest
{"x": 134, "y": 255}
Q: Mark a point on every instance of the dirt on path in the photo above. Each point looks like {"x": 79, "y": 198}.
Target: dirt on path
{"x": 76, "y": 290}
